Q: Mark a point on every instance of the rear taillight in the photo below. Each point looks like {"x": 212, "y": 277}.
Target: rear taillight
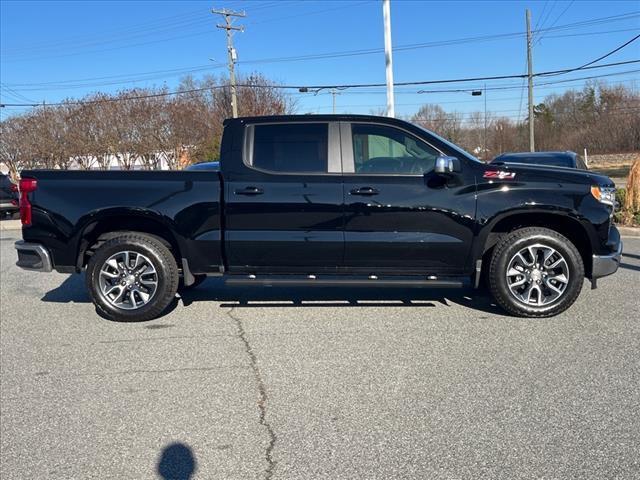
{"x": 27, "y": 185}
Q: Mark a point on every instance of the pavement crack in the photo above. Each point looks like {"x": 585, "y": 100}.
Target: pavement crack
{"x": 262, "y": 395}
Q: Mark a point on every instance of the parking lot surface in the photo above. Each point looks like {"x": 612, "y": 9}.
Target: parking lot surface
{"x": 318, "y": 383}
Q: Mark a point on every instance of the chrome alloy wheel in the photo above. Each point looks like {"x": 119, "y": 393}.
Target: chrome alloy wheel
{"x": 537, "y": 275}
{"x": 128, "y": 280}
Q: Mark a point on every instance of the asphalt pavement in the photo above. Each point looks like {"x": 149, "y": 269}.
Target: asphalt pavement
{"x": 263, "y": 383}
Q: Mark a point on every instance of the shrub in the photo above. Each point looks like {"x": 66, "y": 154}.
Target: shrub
{"x": 628, "y": 199}
{"x": 621, "y": 193}
{"x": 632, "y": 196}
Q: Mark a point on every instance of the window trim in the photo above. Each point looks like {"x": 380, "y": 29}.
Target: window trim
{"x": 348, "y": 159}
{"x": 333, "y": 149}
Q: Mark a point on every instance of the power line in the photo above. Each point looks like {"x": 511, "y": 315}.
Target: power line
{"x": 602, "y": 32}
{"x": 400, "y": 84}
{"x": 160, "y": 74}
{"x": 306, "y": 14}
{"x": 610, "y": 53}
{"x": 152, "y": 75}
{"x": 323, "y": 87}
{"x": 458, "y": 41}
{"x": 537, "y": 85}
{"x": 155, "y": 30}
{"x": 160, "y": 25}
{"x": 539, "y": 39}
{"x": 164, "y": 22}
{"x": 546, "y": 86}
{"x": 585, "y": 23}
{"x": 548, "y": 15}
{"x": 16, "y": 95}
{"x": 602, "y": 57}
{"x": 544, "y": 9}
{"x": 456, "y": 80}
{"x": 127, "y": 78}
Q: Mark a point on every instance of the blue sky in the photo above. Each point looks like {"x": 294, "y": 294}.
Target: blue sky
{"x": 55, "y": 50}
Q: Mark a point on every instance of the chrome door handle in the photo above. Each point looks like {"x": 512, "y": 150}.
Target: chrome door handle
{"x": 366, "y": 191}
{"x": 249, "y": 191}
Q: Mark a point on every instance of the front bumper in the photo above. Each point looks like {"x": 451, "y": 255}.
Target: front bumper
{"x": 603, "y": 265}
{"x": 33, "y": 256}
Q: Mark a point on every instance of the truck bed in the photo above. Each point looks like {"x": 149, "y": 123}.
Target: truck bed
{"x": 69, "y": 204}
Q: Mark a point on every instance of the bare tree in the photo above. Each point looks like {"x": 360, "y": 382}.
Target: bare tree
{"x": 433, "y": 117}
{"x": 151, "y": 129}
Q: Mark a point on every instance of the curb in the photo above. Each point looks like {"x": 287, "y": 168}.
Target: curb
{"x": 629, "y": 231}
{"x": 10, "y": 225}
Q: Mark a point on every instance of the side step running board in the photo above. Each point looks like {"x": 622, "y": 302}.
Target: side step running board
{"x": 326, "y": 280}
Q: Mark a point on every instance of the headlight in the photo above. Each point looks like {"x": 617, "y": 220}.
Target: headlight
{"x": 606, "y": 195}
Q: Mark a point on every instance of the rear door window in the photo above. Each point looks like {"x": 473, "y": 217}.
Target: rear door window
{"x": 291, "y": 148}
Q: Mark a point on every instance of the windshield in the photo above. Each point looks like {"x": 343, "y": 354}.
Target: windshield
{"x": 449, "y": 144}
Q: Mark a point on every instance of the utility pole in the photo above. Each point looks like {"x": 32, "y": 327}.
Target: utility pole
{"x": 485, "y": 121}
{"x": 334, "y": 92}
{"x": 232, "y": 55}
{"x": 388, "y": 56}
{"x": 532, "y": 145}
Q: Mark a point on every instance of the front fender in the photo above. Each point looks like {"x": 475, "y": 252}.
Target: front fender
{"x": 570, "y": 205}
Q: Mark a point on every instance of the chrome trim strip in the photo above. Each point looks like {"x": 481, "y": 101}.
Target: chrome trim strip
{"x": 334, "y": 162}
{"x": 42, "y": 252}
{"x": 346, "y": 146}
{"x": 603, "y": 265}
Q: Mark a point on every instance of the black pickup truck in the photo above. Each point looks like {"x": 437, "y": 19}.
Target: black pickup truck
{"x": 347, "y": 200}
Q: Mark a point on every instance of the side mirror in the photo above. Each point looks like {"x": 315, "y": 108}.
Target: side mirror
{"x": 447, "y": 165}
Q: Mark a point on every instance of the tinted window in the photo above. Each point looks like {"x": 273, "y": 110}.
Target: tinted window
{"x": 300, "y": 147}
{"x": 580, "y": 163}
{"x": 380, "y": 149}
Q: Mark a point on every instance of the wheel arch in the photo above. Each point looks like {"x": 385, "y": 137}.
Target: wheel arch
{"x": 566, "y": 225}
{"x": 106, "y": 225}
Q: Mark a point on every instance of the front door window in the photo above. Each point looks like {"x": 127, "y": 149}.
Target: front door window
{"x": 379, "y": 149}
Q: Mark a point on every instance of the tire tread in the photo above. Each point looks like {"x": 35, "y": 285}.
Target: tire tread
{"x": 159, "y": 304}
{"x": 502, "y": 297}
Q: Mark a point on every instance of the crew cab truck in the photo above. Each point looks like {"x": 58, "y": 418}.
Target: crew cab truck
{"x": 324, "y": 200}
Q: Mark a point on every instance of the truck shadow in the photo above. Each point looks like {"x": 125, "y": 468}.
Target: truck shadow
{"x": 215, "y": 290}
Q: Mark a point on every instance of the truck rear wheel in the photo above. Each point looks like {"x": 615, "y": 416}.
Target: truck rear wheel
{"x": 535, "y": 272}
{"x": 132, "y": 278}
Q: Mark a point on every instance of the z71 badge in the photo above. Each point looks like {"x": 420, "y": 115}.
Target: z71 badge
{"x": 499, "y": 175}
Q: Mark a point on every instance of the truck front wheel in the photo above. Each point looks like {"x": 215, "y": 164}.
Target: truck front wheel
{"x": 535, "y": 272}
{"x": 132, "y": 278}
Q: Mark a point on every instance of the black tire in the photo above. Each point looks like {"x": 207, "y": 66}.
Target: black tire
{"x": 163, "y": 262}
{"x": 515, "y": 242}
{"x": 199, "y": 278}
